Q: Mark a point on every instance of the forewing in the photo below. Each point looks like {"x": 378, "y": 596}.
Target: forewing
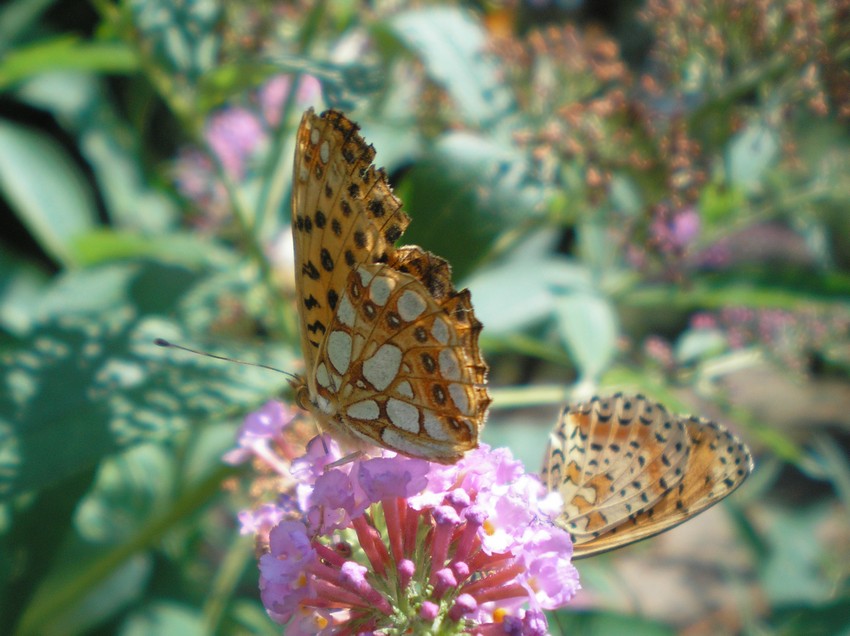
{"x": 390, "y": 347}
{"x": 343, "y": 214}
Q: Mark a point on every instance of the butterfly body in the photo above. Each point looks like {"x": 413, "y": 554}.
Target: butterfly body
{"x": 628, "y": 470}
{"x": 390, "y": 347}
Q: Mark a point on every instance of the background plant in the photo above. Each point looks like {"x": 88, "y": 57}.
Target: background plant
{"x": 652, "y": 197}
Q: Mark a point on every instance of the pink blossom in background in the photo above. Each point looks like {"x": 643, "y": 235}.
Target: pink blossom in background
{"x": 237, "y": 136}
{"x": 234, "y": 135}
{"x": 674, "y": 231}
{"x": 275, "y": 92}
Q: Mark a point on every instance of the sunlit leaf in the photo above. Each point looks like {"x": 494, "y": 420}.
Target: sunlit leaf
{"x": 65, "y": 53}
{"x": 750, "y": 154}
{"x": 87, "y": 379}
{"x": 164, "y": 617}
{"x": 46, "y": 190}
{"x": 589, "y": 329}
{"x": 451, "y": 44}
{"x": 22, "y": 286}
{"x": 523, "y": 292}
{"x": 458, "y": 213}
{"x": 696, "y": 344}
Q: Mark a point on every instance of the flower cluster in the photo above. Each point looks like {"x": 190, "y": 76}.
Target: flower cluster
{"x": 792, "y": 337}
{"x": 707, "y": 43}
{"x": 392, "y": 544}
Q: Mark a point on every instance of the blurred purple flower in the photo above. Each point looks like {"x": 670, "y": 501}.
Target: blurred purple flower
{"x": 275, "y": 92}
{"x": 674, "y": 231}
{"x": 685, "y": 227}
{"x": 658, "y": 349}
{"x": 260, "y": 520}
{"x": 234, "y": 134}
{"x": 703, "y": 320}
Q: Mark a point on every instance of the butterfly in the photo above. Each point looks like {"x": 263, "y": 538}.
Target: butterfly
{"x": 390, "y": 347}
{"x": 628, "y": 470}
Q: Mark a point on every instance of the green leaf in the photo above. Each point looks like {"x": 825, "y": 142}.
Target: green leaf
{"x": 46, "y": 190}
{"x": 525, "y": 439}
{"x": 83, "y": 568}
{"x": 88, "y": 380}
{"x": 797, "y": 568}
{"x": 533, "y": 287}
{"x": 698, "y": 344}
{"x": 17, "y": 17}
{"x": 451, "y": 45}
{"x": 183, "y": 37}
{"x": 751, "y": 153}
{"x": 251, "y": 618}
{"x": 65, "y": 53}
{"x": 397, "y": 141}
{"x": 719, "y": 202}
{"x": 124, "y": 495}
{"x": 588, "y": 326}
{"x": 22, "y": 287}
{"x": 626, "y": 195}
{"x": 124, "y": 585}
{"x": 110, "y": 147}
{"x": 605, "y": 623}
{"x": 164, "y": 617}
{"x": 191, "y": 250}
{"x": 823, "y": 619}
{"x": 459, "y": 212}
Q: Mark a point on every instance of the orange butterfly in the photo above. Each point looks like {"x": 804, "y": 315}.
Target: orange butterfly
{"x": 628, "y": 470}
{"x": 390, "y": 347}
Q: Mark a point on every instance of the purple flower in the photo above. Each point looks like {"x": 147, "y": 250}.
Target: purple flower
{"x": 674, "y": 231}
{"x": 658, "y": 349}
{"x": 274, "y": 93}
{"x": 290, "y": 553}
{"x": 283, "y": 580}
{"x": 193, "y": 177}
{"x": 321, "y": 451}
{"x": 685, "y": 227}
{"x": 260, "y": 520}
{"x": 259, "y": 432}
{"x": 549, "y": 571}
{"x": 703, "y": 320}
{"x": 395, "y": 542}
{"x": 234, "y": 135}
{"x": 390, "y": 477}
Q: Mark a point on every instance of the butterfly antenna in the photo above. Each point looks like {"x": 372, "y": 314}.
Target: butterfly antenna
{"x": 161, "y": 342}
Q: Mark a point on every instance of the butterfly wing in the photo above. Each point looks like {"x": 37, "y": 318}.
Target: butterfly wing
{"x": 344, "y": 214}
{"x": 391, "y": 348}
{"x": 612, "y": 458}
{"x": 400, "y": 368}
{"x": 714, "y": 464}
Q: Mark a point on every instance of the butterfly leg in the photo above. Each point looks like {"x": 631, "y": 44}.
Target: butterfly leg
{"x": 346, "y": 460}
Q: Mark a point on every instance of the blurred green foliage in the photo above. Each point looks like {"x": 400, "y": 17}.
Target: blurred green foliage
{"x": 648, "y": 198}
